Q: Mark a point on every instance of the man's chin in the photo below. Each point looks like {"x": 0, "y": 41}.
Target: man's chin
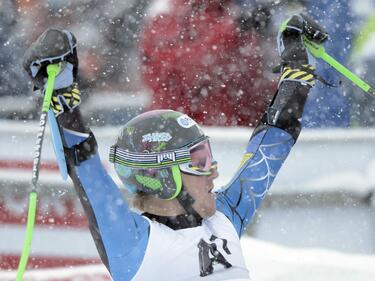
{"x": 206, "y": 213}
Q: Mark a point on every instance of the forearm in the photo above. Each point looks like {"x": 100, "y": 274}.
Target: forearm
{"x": 73, "y": 120}
{"x": 266, "y": 152}
{"x": 117, "y": 231}
{"x": 285, "y": 110}
{"x": 108, "y": 213}
{"x": 269, "y": 146}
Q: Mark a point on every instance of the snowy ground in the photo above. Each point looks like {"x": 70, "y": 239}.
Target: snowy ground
{"x": 271, "y": 262}
{"x": 266, "y": 261}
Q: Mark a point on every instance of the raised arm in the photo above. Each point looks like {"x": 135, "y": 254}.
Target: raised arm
{"x": 120, "y": 235}
{"x": 278, "y": 130}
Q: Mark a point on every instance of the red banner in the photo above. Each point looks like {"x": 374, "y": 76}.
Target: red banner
{"x": 61, "y": 236}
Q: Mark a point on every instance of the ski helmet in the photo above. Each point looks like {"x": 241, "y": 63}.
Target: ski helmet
{"x": 153, "y": 147}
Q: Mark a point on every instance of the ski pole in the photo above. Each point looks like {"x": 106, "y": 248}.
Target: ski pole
{"x": 52, "y": 71}
{"x": 318, "y": 51}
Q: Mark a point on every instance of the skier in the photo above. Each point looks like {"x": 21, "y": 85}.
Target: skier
{"x": 182, "y": 229}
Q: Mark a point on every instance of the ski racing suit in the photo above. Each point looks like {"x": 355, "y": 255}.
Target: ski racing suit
{"x": 133, "y": 247}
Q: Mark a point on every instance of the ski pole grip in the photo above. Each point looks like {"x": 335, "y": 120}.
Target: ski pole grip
{"x": 52, "y": 71}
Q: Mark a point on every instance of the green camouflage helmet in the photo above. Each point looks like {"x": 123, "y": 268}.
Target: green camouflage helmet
{"x": 149, "y": 149}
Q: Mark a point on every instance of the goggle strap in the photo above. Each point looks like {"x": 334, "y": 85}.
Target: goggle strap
{"x": 148, "y": 160}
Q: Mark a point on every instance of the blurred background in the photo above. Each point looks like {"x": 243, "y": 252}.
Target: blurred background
{"x": 213, "y": 60}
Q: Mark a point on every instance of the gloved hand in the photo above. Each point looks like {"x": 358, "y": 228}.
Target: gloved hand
{"x": 290, "y": 39}
{"x": 55, "y": 46}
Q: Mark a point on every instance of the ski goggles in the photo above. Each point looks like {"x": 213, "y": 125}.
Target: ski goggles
{"x": 202, "y": 162}
{"x": 195, "y": 160}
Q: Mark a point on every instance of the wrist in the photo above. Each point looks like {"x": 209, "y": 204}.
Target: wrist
{"x": 302, "y": 73}
{"x": 66, "y": 99}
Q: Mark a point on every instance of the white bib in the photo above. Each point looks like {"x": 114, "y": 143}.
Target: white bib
{"x": 212, "y": 250}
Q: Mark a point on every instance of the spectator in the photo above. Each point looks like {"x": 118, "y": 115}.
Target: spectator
{"x": 329, "y": 106}
{"x": 108, "y": 32}
{"x": 197, "y": 59}
{"x": 13, "y": 82}
{"x": 363, "y": 106}
{"x": 12, "y": 79}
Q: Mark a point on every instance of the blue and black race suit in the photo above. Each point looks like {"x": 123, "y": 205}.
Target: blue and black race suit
{"x": 121, "y": 235}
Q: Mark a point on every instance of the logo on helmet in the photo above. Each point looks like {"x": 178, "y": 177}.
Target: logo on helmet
{"x": 185, "y": 121}
{"x": 156, "y": 137}
{"x": 166, "y": 157}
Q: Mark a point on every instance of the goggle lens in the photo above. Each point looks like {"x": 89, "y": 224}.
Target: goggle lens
{"x": 202, "y": 162}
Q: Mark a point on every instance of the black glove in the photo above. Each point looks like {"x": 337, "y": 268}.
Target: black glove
{"x": 290, "y": 39}
{"x": 55, "y": 46}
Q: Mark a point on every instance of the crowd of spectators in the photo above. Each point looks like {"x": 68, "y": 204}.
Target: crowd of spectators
{"x": 200, "y": 57}
{"x": 211, "y": 59}
{"x": 107, "y": 34}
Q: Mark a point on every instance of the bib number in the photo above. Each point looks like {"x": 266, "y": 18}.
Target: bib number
{"x": 210, "y": 254}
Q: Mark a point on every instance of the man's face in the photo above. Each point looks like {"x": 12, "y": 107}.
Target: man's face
{"x": 200, "y": 188}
